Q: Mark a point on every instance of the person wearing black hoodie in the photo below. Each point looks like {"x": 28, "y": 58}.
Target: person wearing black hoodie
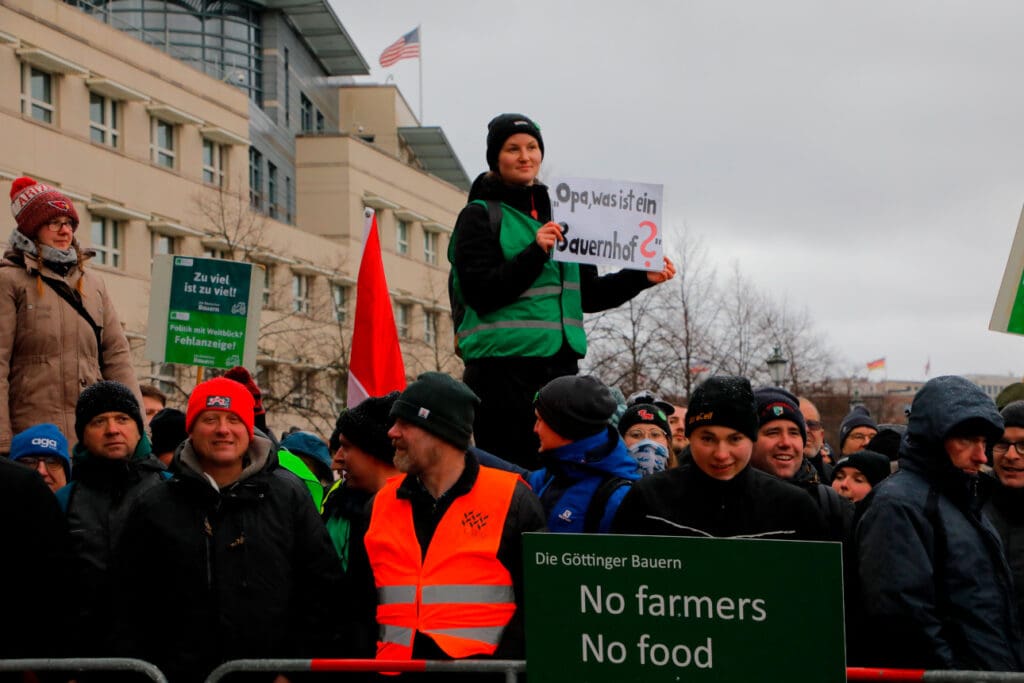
{"x": 518, "y": 314}
{"x": 935, "y": 589}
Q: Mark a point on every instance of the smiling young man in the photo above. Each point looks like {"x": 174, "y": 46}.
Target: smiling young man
{"x": 245, "y": 563}
{"x": 936, "y": 590}
{"x": 718, "y": 494}
{"x": 779, "y": 450}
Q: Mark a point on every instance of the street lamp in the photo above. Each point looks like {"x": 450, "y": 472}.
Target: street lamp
{"x": 777, "y": 366}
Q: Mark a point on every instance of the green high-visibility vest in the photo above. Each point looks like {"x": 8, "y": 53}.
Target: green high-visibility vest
{"x": 535, "y": 324}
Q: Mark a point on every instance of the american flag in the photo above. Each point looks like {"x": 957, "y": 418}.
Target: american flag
{"x": 406, "y": 47}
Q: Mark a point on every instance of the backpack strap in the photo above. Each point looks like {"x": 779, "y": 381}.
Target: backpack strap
{"x": 494, "y": 214}
{"x": 596, "y": 509}
{"x": 75, "y": 301}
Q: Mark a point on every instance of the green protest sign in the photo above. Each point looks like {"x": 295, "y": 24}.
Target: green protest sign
{"x": 203, "y": 311}
{"x": 602, "y": 608}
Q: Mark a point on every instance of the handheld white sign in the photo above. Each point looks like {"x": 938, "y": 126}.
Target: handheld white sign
{"x": 611, "y": 222}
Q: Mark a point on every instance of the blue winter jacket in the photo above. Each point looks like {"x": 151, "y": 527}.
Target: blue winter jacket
{"x": 574, "y": 472}
{"x": 936, "y": 588}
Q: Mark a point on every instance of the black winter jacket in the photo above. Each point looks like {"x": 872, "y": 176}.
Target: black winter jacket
{"x": 686, "y": 502}
{"x": 34, "y": 538}
{"x": 935, "y": 588}
{"x": 1006, "y": 510}
{"x": 98, "y": 503}
{"x": 246, "y": 571}
{"x": 838, "y": 511}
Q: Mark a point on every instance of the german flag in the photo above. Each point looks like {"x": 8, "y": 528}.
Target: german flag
{"x": 877, "y": 364}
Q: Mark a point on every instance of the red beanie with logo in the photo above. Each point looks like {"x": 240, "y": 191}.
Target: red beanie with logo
{"x": 220, "y": 394}
{"x": 34, "y": 204}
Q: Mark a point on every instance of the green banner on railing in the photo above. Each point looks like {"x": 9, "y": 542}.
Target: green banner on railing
{"x": 602, "y": 608}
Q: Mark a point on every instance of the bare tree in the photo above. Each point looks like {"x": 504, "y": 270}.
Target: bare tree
{"x": 693, "y": 316}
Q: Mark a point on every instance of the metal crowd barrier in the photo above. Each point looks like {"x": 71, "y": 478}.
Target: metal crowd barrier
{"x": 938, "y": 676}
{"x": 85, "y": 664}
{"x": 510, "y": 667}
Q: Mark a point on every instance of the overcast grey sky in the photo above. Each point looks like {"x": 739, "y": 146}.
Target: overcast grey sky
{"x": 862, "y": 159}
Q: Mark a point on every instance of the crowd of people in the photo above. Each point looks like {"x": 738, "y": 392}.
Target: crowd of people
{"x": 186, "y": 539}
{"x": 415, "y": 549}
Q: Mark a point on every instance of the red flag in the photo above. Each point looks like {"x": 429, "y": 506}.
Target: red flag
{"x": 376, "y": 366}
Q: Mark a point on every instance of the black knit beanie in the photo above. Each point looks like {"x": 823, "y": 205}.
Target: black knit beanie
{"x": 874, "y": 466}
{"x": 859, "y": 416}
{"x": 723, "y": 401}
{"x": 441, "y": 405}
{"x": 504, "y": 126}
{"x": 1013, "y": 414}
{"x": 168, "y": 430}
{"x": 366, "y": 426}
{"x": 575, "y": 406}
{"x": 106, "y": 397}
{"x": 887, "y": 440}
{"x": 775, "y": 403}
{"x": 644, "y": 413}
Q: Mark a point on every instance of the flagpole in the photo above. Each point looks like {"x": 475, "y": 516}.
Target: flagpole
{"x": 420, "y": 29}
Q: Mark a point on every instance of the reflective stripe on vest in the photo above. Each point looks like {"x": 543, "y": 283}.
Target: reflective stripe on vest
{"x": 547, "y": 314}
{"x": 459, "y": 594}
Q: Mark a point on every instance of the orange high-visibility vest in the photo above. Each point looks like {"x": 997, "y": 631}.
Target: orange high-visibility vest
{"x": 459, "y": 594}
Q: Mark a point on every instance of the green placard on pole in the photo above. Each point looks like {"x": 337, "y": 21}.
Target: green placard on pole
{"x": 204, "y": 312}
{"x": 604, "y": 608}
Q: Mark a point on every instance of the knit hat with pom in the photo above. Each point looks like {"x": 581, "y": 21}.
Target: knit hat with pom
{"x": 34, "y": 204}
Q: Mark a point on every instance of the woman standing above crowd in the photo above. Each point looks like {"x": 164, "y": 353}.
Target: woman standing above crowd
{"x": 60, "y": 332}
{"x": 522, "y": 324}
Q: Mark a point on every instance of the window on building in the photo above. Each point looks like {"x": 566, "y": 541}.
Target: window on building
{"x": 319, "y": 121}
{"x": 104, "y": 124}
{"x": 403, "y": 313}
{"x": 268, "y": 286}
{"x": 340, "y": 391}
{"x": 430, "y": 247}
{"x": 265, "y": 377}
{"x": 37, "y": 93}
{"x": 287, "y": 90}
{"x": 339, "y": 296}
{"x": 213, "y": 162}
{"x": 288, "y": 199}
{"x": 255, "y": 178}
{"x": 401, "y": 236}
{"x": 271, "y": 190}
{"x": 305, "y": 113}
{"x": 166, "y": 377}
{"x": 303, "y": 386}
{"x": 106, "y": 241}
{"x": 429, "y": 326}
{"x": 300, "y": 293}
{"x": 161, "y": 143}
{"x": 163, "y": 244}
{"x": 216, "y": 253}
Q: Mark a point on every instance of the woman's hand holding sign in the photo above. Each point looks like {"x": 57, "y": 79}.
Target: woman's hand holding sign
{"x": 663, "y": 275}
{"x": 549, "y": 235}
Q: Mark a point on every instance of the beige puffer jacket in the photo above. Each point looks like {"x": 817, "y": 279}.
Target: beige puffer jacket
{"x": 48, "y": 351}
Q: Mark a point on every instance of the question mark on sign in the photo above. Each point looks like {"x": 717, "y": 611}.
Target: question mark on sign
{"x": 650, "y": 238}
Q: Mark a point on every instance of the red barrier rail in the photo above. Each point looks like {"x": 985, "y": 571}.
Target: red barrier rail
{"x": 855, "y": 673}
